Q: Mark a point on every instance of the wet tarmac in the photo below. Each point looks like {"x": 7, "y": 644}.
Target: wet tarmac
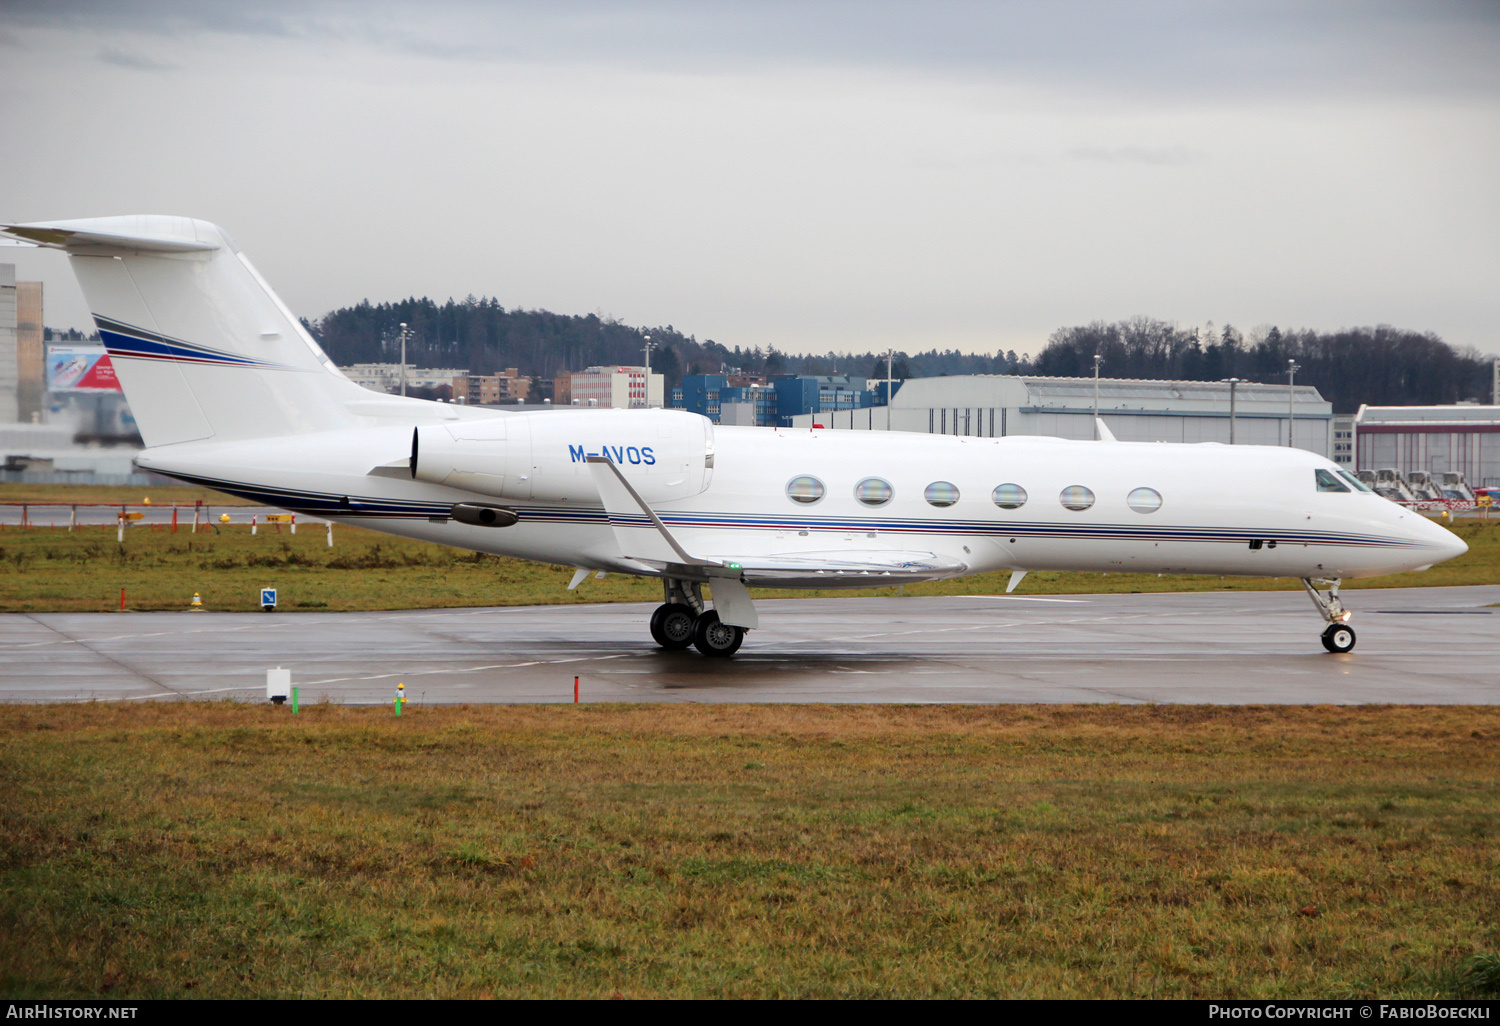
{"x": 1416, "y": 646}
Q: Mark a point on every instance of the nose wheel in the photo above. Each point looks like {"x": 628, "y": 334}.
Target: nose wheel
{"x": 1339, "y": 637}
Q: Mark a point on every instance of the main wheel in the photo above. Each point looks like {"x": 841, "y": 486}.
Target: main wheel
{"x": 1339, "y": 637}
{"x": 672, "y": 625}
{"x": 713, "y": 638}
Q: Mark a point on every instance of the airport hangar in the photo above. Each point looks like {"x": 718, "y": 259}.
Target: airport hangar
{"x": 996, "y": 405}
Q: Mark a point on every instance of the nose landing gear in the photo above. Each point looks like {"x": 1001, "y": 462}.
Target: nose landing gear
{"x": 1338, "y": 636}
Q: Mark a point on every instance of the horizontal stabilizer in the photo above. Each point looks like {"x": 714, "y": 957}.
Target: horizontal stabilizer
{"x": 157, "y": 234}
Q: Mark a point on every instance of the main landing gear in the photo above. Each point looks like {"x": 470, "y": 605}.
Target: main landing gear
{"x": 682, "y": 620}
{"x": 1338, "y": 636}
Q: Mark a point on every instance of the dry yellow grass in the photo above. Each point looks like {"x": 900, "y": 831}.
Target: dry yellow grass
{"x": 236, "y": 850}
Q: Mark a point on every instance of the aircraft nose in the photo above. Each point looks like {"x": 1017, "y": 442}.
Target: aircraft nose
{"x": 1445, "y": 541}
{"x": 1454, "y": 546}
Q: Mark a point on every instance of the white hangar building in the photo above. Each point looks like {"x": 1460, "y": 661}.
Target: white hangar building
{"x": 994, "y": 405}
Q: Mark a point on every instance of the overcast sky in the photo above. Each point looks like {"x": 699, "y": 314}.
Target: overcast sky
{"x": 813, "y": 176}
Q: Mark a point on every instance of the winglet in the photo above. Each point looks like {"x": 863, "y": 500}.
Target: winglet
{"x": 620, "y": 499}
{"x": 1016, "y": 577}
{"x": 1105, "y": 435}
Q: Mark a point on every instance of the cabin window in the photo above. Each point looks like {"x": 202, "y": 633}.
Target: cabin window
{"x": 941, "y": 493}
{"x": 1359, "y": 486}
{"x": 805, "y": 489}
{"x": 1009, "y": 496}
{"x": 1076, "y": 497}
{"x": 1144, "y": 500}
{"x": 1327, "y": 482}
{"x": 872, "y": 491}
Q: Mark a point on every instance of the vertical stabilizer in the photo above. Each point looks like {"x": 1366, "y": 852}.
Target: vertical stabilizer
{"x": 202, "y": 347}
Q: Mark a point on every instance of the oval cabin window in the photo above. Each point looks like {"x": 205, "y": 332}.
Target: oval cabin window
{"x": 872, "y": 491}
{"x": 1009, "y": 496}
{"x": 805, "y": 489}
{"x": 1076, "y": 497}
{"x": 941, "y": 493}
{"x": 1144, "y": 500}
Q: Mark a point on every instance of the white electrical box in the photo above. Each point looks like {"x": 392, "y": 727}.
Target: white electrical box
{"x": 278, "y": 685}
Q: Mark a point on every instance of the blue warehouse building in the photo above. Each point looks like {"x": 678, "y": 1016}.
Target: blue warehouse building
{"x": 778, "y": 402}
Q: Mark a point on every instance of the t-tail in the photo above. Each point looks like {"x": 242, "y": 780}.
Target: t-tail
{"x": 201, "y": 345}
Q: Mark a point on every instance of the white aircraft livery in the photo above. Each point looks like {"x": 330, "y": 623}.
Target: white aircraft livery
{"x": 230, "y": 392}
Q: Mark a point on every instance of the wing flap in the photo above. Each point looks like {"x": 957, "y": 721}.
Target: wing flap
{"x": 841, "y": 568}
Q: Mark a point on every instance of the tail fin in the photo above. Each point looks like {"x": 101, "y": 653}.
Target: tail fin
{"x": 202, "y": 347}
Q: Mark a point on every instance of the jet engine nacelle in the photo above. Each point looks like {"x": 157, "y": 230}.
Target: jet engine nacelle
{"x": 666, "y": 455}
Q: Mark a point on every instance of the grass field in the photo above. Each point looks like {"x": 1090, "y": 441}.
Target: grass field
{"x": 161, "y": 495}
{"x": 229, "y": 850}
{"x": 50, "y": 570}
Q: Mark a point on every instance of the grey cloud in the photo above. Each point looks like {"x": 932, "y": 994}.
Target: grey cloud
{"x": 1183, "y": 49}
{"x": 160, "y": 17}
{"x": 1167, "y": 156}
{"x": 121, "y": 59}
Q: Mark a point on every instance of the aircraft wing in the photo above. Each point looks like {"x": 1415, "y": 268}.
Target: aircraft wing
{"x": 644, "y": 538}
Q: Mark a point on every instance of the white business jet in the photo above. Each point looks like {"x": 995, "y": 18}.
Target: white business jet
{"x": 230, "y": 392}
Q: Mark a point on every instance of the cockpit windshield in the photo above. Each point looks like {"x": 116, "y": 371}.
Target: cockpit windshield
{"x": 1359, "y": 486}
{"x": 1329, "y": 482}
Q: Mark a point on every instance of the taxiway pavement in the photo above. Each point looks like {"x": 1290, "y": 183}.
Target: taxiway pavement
{"x": 1417, "y": 645}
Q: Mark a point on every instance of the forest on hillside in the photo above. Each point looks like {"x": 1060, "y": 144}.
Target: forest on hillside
{"x": 1380, "y": 365}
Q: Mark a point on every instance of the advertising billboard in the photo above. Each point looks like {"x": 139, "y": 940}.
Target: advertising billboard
{"x": 80, "y": 369}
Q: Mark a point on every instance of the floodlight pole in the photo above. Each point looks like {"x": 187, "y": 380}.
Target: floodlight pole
{"x": 403, "y": 358}
{"x": 1291, "y": 399}
{"x": 890, "y": 362}
{"x": 648, "y": 346}
{"x": 1097, "y": 358}
{"x": 1231, "y": 382}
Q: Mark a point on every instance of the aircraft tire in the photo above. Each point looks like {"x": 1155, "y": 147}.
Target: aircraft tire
{"x": 673, "y": 625}
{"x": 713, "y": 638}
{"x": 1339, "y": 637}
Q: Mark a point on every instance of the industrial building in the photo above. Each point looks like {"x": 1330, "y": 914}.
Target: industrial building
{"x": 993, "y": 406}
{"x": 774, "y": 403}
{"x": 1430, "y": 440}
